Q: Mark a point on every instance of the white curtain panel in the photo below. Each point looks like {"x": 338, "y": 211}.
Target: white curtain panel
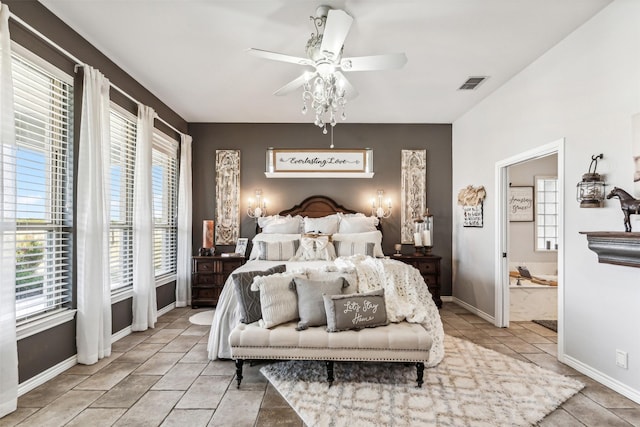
{"x": 145, "y": 312}
{"x": 183, "y": 284}
{"x": 93, "y": 335}
{"x": 8, "y": 344}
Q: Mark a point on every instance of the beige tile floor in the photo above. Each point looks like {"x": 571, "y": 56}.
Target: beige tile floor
{"x": 162, "y": 377}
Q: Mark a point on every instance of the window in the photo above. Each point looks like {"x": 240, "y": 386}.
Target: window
{"x": 43, "y": 102}
{"x": 123, "y": 142}
{"x": 546, "y": 213}
{"x": 165, "y": 203}
{"x": 165, "y": 198}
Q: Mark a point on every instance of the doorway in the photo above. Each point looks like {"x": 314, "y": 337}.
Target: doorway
{"x": 503, "y": 238}
{"x": 532, "y": 243}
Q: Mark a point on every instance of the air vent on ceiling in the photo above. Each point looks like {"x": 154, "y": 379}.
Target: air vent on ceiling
{"x": 472, "y": 83}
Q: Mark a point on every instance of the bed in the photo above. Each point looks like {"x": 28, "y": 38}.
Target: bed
{"x": 353, "y": 251}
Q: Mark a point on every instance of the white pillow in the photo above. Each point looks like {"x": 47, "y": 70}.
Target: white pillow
{"x": 280, "y": 224}
{"x": 349, "y": 215}
{"x": 265, "y": 237}
{"x": 279, "y": 303}
{"x": 370, "y": 236}
{"x": 315, "y": 248}
{"x": 278, "y": 251}
{"x": 325, "y": 225}
{"x": 358, "y": 224}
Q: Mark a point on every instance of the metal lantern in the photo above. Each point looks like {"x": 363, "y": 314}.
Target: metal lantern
{"x": 590, "y": 191}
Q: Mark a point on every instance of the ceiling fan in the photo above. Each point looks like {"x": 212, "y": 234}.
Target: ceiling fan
{"x": 326, "y": 87}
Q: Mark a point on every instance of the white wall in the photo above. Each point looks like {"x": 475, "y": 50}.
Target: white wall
{"x": 585, "y": 90}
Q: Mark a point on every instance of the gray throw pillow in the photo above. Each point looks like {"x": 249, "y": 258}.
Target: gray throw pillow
{"x": 355, "y": 311}
{"x": 248, "y": 300}
{"x": 310, "y": 304}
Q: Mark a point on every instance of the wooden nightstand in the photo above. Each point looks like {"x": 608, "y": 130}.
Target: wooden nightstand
{"x": 208, "y": 275}
{"x": 429, "y": 267}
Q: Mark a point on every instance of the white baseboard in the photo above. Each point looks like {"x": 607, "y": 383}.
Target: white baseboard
{"x": 474, "y": 310}
{"x": 166, "y": 309}
{"x": 603, "y": 379}
{"x": 47, "y": 375}
{"x": 446, "y": 298}
{"x": 121, "y": 334}
{"x": 587, "y": 370}
{"x": 56, "y": 370}
{"x": 127, "y": 331}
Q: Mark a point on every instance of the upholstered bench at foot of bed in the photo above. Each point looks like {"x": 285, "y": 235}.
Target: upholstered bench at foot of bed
{"x": 396, "y": 342}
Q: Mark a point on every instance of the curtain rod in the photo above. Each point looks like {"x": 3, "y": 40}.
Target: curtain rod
{"x": 80, "y": 63}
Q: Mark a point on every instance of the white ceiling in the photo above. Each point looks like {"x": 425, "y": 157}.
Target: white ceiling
{"x": 191, "y": 53}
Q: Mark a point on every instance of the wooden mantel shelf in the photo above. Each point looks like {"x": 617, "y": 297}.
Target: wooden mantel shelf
{"x": 615, "y": 247}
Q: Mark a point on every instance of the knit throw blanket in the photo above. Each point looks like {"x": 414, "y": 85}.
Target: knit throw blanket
{"x": 406, "y": 295}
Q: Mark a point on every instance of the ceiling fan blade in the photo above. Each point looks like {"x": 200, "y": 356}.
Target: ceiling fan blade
{"x": 279, "y": 57}
{"x": 294, "y": 84}
{"x": 375, "y": 62}
{"x": 350, "y": 90}
{"x": 335, "y": 33}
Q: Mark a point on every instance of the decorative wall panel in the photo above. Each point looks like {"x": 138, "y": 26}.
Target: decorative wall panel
{"x": 414, "y": 191}
{"x": 227, "y": 197}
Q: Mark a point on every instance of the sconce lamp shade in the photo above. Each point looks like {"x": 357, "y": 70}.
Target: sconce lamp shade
{"x": 590, "y": 191}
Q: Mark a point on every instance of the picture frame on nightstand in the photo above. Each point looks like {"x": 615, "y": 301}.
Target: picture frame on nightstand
{"x": 241, "y": 246}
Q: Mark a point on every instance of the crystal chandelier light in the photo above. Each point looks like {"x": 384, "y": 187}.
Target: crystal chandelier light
{"x": 325, "y": 94}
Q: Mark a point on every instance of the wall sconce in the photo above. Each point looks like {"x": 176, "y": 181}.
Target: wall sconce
{"x": 260, "y": 208}
{"x": 590, "y": 191}
{"x": 377, "y": 207}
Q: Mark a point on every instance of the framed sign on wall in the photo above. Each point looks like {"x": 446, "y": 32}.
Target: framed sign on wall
{"x": 317, "y": 163}
{"x": 520, "y": 204}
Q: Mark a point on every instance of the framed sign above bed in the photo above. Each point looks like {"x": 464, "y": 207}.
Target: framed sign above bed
{"x": 319, "y": 163}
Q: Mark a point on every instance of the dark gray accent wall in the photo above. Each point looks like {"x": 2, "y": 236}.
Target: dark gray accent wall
{"x": 386, "y": 140}
{"x": 41, "y": 351}
{"x": 121, "y": 315}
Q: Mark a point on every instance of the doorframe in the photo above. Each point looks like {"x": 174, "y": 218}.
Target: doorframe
{"x": 501, "y": 269}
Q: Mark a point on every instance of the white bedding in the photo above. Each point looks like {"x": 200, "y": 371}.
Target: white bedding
{"x": 406, "y": 295}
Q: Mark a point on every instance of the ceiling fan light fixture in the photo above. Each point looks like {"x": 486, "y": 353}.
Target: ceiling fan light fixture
{"x": 326, "y": 89}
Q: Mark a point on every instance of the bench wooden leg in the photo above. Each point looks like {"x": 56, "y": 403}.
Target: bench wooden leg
{"x": 329, "y": 364}
{"x": 420, "y": 372}
{"x": 239, "y": 363}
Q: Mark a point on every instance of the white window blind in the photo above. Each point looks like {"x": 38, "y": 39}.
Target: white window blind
{"x": 43, "y": 97}
{"x": 165, "y": 203}
{"x": 123, "y": 138}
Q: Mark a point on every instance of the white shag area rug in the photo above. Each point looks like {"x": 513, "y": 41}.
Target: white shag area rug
{"x": 472, "y": 386}
{"x": 204, "y": 318}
